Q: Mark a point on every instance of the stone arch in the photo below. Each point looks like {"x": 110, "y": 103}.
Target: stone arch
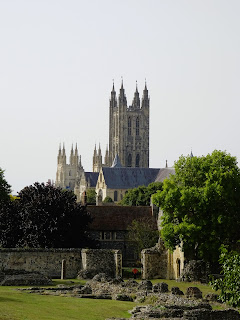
{"x": 100, "y": 196}
{"x": 178, "y": 263}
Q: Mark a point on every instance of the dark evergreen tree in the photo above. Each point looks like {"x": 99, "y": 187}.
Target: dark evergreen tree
{"x": 47, "y": 217}
{"x": 5, "y": 188}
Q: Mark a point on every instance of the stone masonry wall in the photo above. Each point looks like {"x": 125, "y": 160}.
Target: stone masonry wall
{"x": 45, "y": 261}
{"x": 102, "y": 260}
{"x": 49, "y": 261}
{"x": 159, "y": 262}
{"x": 155, "y": 263}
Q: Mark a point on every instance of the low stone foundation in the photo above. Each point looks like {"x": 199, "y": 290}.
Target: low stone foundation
{"x": 162, "y": 305}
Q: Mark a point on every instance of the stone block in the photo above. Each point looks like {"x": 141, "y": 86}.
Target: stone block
{"x": 176, "y": 291}
{"x": 194, "y": 292}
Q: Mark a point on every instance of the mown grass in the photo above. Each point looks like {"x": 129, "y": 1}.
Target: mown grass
{"x": 17, "y": 305}
{"x": 184, "y": 285}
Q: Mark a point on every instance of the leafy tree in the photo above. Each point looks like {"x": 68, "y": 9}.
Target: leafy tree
{"x": 46, "y": 217}
{"x": 141, "y": 196}
{"x": 5, "y": 188}
{"x": 107, "y": 200}
{"x": 10, "y": 224}
{"x": 201, "y": 205}
{"x": 143, "y": 234}
{"x": 229, "y": 283}
{"x": 91, "y": 196}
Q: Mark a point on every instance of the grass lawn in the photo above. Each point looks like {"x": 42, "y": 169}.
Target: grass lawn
{"x": 16, "y": 305}
{"x": 184, "y": 285}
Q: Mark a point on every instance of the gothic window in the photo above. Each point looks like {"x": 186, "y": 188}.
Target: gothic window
{"x": 137, "y": 160}
{"x": 115, "y": 195}
{"x": 70, "y": 173}
{"x": 100, "y": 177}
{"x": 137, "y": 126}
{"x": 129, "y": 162}
{"x": 129, "y": 126}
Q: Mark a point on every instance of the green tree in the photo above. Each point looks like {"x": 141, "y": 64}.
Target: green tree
{"x": 5, "y": 188}
{"x": 229, "y": 283}
{"x": 143, "y": 234}
{"x": 108, "y": 200}
{"x": 91, "y": 196}
{"x": 45, "y": 217}
{"x": 10, "y": 224}
{"x": 201, "y": 205}
{"x": 141, "y": 196}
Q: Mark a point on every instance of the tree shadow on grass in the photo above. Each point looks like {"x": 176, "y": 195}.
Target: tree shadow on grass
{"x": 4, "y": 299}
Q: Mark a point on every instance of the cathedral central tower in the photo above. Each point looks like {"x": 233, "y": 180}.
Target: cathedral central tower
{"x": 129, "y": 129}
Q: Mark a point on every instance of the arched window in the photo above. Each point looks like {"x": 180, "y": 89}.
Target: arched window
{"x": 137, "y": 126}
{"x": 178, "y": 268}
{"x": 129, "y": 126}
{"x": 129, "y": 162}
{"x": 70, "y": 173}
{"x": 137, "y": 160}
{"x": 115, "y": 195}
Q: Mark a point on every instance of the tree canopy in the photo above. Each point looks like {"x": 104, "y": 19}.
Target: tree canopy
{"x": 5, "y": 188}
{"x": 143, "y": 234}
{"x": 201, "y": 205}
{"x": 228, "y": 284}
{"x": 107, "y": 199}
{"x": 141, "y": 196}
{"x": 91, "y": 196}
{"x": 44, "y": 216}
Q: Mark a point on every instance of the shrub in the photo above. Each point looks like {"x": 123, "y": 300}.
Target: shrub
{"x": 229, "y": 284}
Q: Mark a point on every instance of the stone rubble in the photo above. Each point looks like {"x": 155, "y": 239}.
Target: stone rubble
{"x": 164, "y": 305}
{"x": 24, "y": 279}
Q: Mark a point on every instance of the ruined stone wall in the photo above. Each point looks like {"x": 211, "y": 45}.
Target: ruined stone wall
{"x": 49, "y": 261}
{"x": 178, "y": 263}
{"x": 159, "y": 262}
{"x": 45, "y": 261}
{"x": 102, "y": 260}
{"x": 154, "y": 263}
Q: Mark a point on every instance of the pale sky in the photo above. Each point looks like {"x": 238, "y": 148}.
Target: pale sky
{"x": 58, "y": 59}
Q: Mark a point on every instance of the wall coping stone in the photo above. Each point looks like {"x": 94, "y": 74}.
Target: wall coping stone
{"x": 41, "y": 249}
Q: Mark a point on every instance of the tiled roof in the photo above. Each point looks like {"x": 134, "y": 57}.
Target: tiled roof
{"x": 127, "y": 178}
{"x": 91, "y": 177}
{"x": 164, "y": 173}
{"x": 112, "y": 218}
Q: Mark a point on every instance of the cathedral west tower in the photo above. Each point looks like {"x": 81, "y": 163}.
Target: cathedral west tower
{"x": 129, "y": 129}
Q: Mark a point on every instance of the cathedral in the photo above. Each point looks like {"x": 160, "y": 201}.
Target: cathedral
{"x": 127, "y": 154}
{"x": 128, "y": 131}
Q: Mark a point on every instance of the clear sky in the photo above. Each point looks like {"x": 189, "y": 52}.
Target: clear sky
{"x": 58, "y": 59}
